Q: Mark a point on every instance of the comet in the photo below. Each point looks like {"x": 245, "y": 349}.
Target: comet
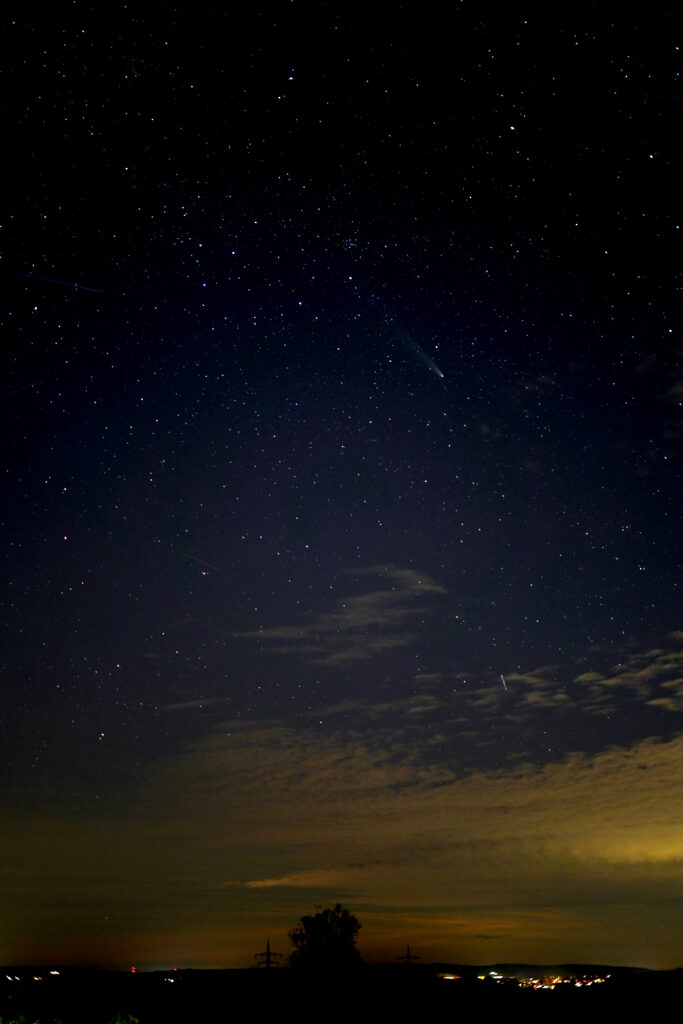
{"x": 425, "y": 359}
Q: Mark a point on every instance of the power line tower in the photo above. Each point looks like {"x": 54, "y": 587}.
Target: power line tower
{"x": 408, "y": 957}
{"x": 267, "y": 959}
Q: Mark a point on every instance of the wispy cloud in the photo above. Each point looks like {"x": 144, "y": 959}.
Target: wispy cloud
{"x": 187, "y": 705}
{"x": 377, "y": 804}
{"x": 475, "y": 721}
{"x": 361, "y": 625}
{"x": 363, "y": 820}
{"x": 654, "y": 677}
{"x": 316, "y": 879}
{"x": 266, "y": 820}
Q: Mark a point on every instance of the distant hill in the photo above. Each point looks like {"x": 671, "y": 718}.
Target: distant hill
{"x": 511, "y": 970}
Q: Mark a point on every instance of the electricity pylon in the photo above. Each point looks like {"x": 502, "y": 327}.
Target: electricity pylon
{"x": 267, "y": 959}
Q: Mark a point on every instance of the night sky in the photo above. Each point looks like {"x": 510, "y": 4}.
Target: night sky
{"x": 341, "y": 434}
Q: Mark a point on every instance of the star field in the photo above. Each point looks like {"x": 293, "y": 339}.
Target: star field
{"x": 341, "y": 380}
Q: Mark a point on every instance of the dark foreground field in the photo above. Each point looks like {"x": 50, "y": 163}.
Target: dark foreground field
{"x": 205, "y": 997}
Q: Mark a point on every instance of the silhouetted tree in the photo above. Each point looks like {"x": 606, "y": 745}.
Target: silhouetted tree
{"x": 326, "y": 940}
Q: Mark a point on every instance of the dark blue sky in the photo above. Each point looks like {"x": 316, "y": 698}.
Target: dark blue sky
{"x": 265, "y": 571}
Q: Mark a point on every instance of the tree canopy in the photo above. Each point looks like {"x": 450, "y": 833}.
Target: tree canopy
{"x": 326, "y": 940}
